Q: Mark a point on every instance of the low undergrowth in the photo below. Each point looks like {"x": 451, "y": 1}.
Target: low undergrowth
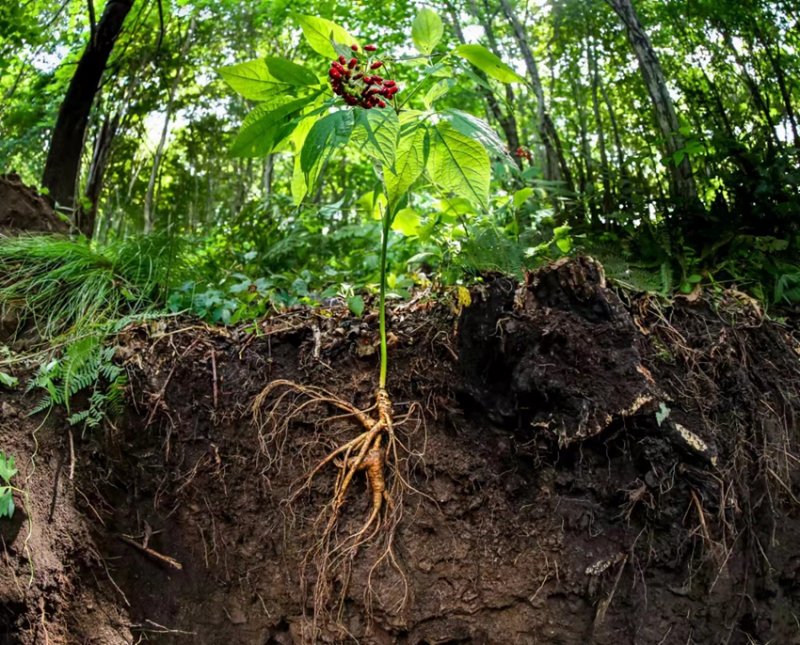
{"x": 66, "y": 299}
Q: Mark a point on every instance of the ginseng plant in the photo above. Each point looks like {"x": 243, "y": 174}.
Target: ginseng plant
{"x": 411, "y": 145}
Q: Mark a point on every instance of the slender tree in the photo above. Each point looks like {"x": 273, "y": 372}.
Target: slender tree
{"x": 555, "y": 166}
{"x": 682, "y": 183}
{"x": 63, "y": 163}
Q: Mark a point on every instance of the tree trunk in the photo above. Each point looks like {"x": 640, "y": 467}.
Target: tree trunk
{"x": 624, "y": 186}
{"x": 66, "y": 145}
{"x": 587, "y": 184}
{"x": 94, "y": 184}
{"x": 783, "y": 84}
{"x": 757, "y": 97}
{"x": 267, "y": 177}
{"x": 507, "y": 120}
{"x": 682, "y": 185}
{"x": 555, "y": 166}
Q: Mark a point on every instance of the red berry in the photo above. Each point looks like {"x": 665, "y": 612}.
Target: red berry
{"x": 382, "y": 104}
{"x": 342, "y": 60}
{"x": 370, "y": 48}
{"x": 353, "y": 62}
{"x": 354, "y": 47}
{"x": 377, "y": 79}
{"x": 376, "y": 64}
{"x": 389, "y": 83}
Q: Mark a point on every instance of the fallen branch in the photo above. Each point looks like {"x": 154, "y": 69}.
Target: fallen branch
{"x": 155, "y": 555}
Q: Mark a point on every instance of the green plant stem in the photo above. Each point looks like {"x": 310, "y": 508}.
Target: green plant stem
{"x": 387, "y": 222}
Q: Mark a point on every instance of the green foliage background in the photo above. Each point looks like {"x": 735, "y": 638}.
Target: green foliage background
{"x": 731, "y": 68}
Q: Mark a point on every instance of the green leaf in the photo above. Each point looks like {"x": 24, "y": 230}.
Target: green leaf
{"x": 488, "y": 63}
{"x": 7, "y": 469}
{"x": 459, "y": 164}
{"x": 662, "y": 413}
{"x": 562, "y": 232}
{"x": 477, "y": 129}
{"x": 376, "y": 134}
{"x": 412, "y": 153}
{"x": 6, "y": 502}
{"x": 356, "y": 305}
{"x": 456, "y": 206}
{"x": 299, "y": 187}
{"x": 427, "y": 31}
{"x": 321, "y": 34}
{"x": 291, "y": 73}
{"x": 8, "y": 381}
{"x": 254, "y": 81}
{"x": 522, "y": 196}
{"x": 407, "y": 221}
{"x": 296, "y": 138}
{"x": 564, "y": 244}
{"x": 326, "y": 135}
{"x": 265, "y": 126}
{"x": 437, "y": 91}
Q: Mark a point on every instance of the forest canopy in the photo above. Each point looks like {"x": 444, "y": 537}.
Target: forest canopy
{"x": 660, "y": 137}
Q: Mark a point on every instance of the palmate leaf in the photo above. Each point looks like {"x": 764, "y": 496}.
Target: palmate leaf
{"x": 298, "y": 187}
{"x": 412, "y": 153}
{"x": 290, "y": 73}
{"x": 427, "y": 31}
{"x": 296, "y": 140}
{"x": 478, "y": 130}
{"x": 376, "y": 133}
{"x": 326, "y": 135}
{"x": 459, "y": 164}
{"x": 256, "y": 81}
{"x": 488, "y": 63}
{"x": 437, "y": 91}
{"x": 266, "y": 125}
{"x": 321, "y": 34}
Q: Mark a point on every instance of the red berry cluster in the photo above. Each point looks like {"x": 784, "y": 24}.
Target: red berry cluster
{"x": 523, "y": 153}
{"x": 354, "y": 81}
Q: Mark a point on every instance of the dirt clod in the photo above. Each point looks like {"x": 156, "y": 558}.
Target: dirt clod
{"x": 22, "y": 209}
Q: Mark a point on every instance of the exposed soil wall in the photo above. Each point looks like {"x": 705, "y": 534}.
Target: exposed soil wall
{"x": 580, "y": 466}
{"x": 23, "y": 209}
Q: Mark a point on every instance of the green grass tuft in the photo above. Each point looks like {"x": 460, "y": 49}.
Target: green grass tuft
{"x": 66, "y": 287}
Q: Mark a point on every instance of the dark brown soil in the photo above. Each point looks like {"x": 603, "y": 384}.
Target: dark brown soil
{"x": 584, "y": 467}
{"x": 23, "y": 209}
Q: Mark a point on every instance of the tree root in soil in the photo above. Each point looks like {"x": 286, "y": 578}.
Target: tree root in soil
{"x": 374, "y": 451}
